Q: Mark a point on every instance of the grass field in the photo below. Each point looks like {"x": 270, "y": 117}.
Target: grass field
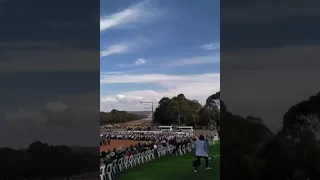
{"x": 174, "y": 168}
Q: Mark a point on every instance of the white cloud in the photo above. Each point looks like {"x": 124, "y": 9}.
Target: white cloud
{"x": 156, "y": 78}
{"x": 194, "y": 86}
{"x": 215, "y": 58}
{"x": 140, "y": 61}
{"x": 137, "y": 62}
{"x": 133, "y": 96}
{"x": 110, "y": 73}
{"x": 137, "y": 13}
{"x": 211, "y": 46}
{"x": 116, "y": 49}
{"x": 121, "y": 96}
{"x": 134, "y": 44}
{"x": 108, "y": 99}
{"x": 168, "y": 62}
{"x": 145, "y": 40}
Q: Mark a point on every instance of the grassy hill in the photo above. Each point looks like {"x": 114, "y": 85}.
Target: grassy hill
{"x": 140, "y": 113}
{"x": 116, "y": 116}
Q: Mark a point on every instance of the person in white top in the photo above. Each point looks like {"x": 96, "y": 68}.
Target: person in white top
{"x": 201, "y": 151}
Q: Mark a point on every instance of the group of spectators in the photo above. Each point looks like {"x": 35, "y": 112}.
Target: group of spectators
{"x": 151, "y": 140}
{"x": 107, "y": 157}
{"x": 142, "y": 125}
{"x": 105, "y": 140}
{"x": 143, "y": 136}
{"x": 113, "y": 126}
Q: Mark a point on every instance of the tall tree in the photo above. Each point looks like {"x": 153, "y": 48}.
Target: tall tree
{"x": 177, "y": 110}
{"x": 210, "y": 114}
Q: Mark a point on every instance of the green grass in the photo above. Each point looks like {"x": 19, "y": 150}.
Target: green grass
{"x": 174, "y": 168}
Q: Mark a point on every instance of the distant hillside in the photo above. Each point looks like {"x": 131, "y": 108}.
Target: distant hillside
{"x": 116, "y": 116}
{"x": 146, "y": 120}
{"x": 140, "y": 113}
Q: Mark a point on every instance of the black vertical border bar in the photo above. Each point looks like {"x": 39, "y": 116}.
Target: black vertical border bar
{"x": 50, "y": 88}
{"x": 269, "y": 70}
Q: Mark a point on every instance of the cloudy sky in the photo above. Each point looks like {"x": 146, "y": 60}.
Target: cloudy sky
{"x": 151, "y": 49}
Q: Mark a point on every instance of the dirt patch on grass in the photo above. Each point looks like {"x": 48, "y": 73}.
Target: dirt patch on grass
{"x": 117, "y": 143}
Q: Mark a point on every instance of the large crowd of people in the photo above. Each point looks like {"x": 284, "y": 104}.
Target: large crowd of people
{"x": 142, "y": 136}
{"x": 130, "y": 125}
{"x": 150, "y": 140}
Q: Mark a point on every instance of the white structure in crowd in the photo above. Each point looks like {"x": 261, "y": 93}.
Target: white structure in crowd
{"x": 165, "y": 128}
{"x": 185, "y": 128}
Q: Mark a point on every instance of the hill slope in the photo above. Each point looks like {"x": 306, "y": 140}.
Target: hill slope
{"x": 116, "y": 116}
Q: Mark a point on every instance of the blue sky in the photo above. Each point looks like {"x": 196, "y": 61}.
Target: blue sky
{"x": 151, "y": 49}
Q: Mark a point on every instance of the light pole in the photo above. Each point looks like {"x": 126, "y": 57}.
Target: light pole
{"x": 146, "y": 102}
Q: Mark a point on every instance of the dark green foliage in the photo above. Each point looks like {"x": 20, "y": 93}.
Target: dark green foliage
{"x": 180, "y": 110}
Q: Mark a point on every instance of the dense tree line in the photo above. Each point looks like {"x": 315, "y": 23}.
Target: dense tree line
{"x": 41, "y": 161}
{"x": 180, "y": 110}
{"x": 213, "y": 105}
{"x": 116, "y": 116}
{"x": 251, "y": 151}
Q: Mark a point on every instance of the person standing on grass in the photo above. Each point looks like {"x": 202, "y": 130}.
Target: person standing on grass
{"x": 201, "y": 151}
